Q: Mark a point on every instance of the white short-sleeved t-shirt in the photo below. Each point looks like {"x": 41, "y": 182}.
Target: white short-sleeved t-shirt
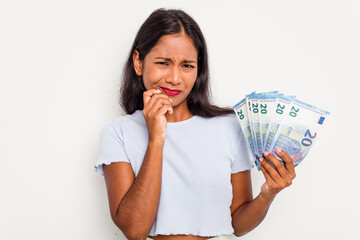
{"x": 199, "y": 156}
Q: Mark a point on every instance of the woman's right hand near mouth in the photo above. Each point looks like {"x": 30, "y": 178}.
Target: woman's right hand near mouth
{"x": 156, "y": 105}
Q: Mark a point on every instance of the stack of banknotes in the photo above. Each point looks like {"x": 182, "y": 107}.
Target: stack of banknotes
{"x": 272, "y": 120}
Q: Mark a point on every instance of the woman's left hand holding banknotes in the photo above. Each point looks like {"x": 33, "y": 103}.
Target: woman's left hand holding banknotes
{"x": 279, "y": 177}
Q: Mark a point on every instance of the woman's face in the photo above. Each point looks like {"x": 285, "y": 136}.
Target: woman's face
{"x": 171, "y": 66}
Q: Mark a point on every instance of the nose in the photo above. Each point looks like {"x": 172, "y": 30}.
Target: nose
{"x": 174, "y": 77}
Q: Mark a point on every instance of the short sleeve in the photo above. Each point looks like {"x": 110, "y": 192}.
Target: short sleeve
{"x": 242, "y": 158}
{"x": 111, "y": 146}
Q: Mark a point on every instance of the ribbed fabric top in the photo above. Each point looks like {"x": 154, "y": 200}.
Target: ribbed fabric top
{"x": 199, "y": 156}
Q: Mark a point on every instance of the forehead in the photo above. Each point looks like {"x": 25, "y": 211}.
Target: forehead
{"x": 175, "y": 45}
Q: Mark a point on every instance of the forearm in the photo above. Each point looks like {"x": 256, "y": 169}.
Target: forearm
{"x": 137, "y": 210}
{"x": 250, "y": 214}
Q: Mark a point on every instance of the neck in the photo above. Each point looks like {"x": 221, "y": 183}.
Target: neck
{"x": 181, "y": 113}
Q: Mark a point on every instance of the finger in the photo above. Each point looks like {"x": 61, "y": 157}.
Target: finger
{"x": 155, "y": 98}
{"x": 266, "y": 173}
{"x": 163, "y": 110}
{"x": 280, "y": 182}
{"x": 280, "y": 168}
{"x": 148, "y": 94}
{"x": 289, "y": 163}
{"x": 170, "y": 110}
{"x": 159, "y": 103}
{"x": 271, "y": 170}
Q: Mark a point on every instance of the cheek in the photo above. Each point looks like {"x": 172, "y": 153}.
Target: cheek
{"x": 191, "y": 80}
{"x": 151, "y": 76}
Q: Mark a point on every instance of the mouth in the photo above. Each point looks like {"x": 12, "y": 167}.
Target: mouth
{"x": 171, "y": 92}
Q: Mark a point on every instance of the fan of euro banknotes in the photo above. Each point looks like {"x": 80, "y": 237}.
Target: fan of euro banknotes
{"x": 271, "y": 120}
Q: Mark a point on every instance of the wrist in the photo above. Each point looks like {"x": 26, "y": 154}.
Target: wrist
{"x": 267, "y": 197}
{"x": 156, "y": 143}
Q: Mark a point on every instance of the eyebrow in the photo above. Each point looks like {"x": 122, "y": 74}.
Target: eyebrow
{"x": 168, "y": 59}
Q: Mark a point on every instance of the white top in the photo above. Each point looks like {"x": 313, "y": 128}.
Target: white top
{"x": 199, "y": 156}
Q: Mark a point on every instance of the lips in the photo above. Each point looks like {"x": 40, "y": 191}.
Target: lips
{"x": 171, "y": 92}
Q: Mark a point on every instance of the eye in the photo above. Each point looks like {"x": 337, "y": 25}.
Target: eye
{"x": 188, "y": 66}
{"x": 162, "y": 63}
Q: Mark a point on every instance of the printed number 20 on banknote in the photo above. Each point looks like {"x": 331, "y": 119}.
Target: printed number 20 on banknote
{"x": 298, "y": 130}
{"x": 271, "y": 120}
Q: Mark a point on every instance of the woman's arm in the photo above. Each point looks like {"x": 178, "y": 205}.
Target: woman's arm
{"x": 250, "y": 214}
{"x": 247, "y": 213}
{"x": 134, "y": 201}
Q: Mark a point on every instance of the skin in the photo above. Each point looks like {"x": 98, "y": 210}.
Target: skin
{"x": 172, "y": 63}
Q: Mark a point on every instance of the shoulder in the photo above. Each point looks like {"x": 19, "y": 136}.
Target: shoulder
{"x": 225, "y": 127}
{"x": 225, "y": 122}
{"x": 119, "y": 123}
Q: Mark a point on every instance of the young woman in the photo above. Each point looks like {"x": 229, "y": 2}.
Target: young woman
{"x": 176, "y": 166}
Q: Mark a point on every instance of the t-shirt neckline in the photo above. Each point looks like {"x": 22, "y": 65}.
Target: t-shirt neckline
{"x": 173, "y": 124}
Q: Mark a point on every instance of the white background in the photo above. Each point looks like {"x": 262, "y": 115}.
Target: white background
{"x": 60, "y": 66}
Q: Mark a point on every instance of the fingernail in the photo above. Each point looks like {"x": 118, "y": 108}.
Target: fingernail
{"x": 261, "y": 159}
{"x": 266, "y": 154}
{"x": 170, "y": 100}
{"x": 158, "y": 91}
{"x": 278, "y": 150}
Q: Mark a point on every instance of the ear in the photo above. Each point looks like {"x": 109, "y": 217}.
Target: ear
{"x": 137, "y": 63}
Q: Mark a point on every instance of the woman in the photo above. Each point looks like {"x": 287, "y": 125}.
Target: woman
{"x": 176, "y": 166}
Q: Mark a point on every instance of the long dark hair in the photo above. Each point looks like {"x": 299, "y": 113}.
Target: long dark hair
{"x": 162, "y": 22}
